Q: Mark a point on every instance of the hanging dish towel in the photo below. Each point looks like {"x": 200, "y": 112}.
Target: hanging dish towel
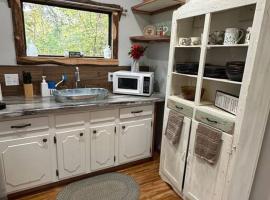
{"x": 174, "y": 126}
{"x": 208, "y": 143}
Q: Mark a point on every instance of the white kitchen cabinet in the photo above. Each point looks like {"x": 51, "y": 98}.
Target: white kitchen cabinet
{"x": 102, "y": 146}
{"x": 173, "y": 158}
{"x": 71, "y": 153}
{"x": 26, "y": 162}
{"x": 45, "y": 149}
{"x": 203, "y": 180}
{"x": 135, "y": 140}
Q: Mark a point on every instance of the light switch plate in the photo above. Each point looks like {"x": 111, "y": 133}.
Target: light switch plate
{"x": 110, "y": 76}
{"x": 12, "y": 79}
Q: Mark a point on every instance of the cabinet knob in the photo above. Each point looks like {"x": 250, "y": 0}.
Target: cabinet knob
{"x": 81, "y": 134}
{"x": 123, "y": 127}
{"x": 45, "y": 140}
{"x": 94, "y": 131}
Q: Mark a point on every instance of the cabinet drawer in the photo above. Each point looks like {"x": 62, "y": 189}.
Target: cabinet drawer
{"x": 104, "y": 116}
{"x": 136, "y": 111}
{"x": 72, "y": 119}
{"x": 182, "y": 108}
{"x": 24, "y": 125}
{"x": 224, "y": 124}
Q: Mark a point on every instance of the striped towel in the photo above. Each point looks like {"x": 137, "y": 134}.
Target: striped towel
{"x": 208, "y": 143}
{"x": 174, "y": 127}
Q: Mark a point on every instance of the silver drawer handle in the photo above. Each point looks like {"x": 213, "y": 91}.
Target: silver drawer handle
{"x": 212, "y": 121}
{"x": 20, "y": 126}
{"x": 178, "y": 107}
{"x": 136, "y": 112}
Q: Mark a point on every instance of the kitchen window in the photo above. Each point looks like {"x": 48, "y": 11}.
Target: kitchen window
{"x": 46, "y": 31}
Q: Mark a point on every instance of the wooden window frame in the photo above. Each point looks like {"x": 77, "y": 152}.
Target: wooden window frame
{"x": 87, "y": 5}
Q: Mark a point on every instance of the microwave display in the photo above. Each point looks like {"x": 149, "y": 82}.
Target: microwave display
{"x": 128, "y": 83}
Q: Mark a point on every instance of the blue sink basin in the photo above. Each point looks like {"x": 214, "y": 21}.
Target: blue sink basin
{"x": 80, "y": 94}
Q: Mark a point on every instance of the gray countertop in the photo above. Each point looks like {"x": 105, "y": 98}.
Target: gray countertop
{"x": 19, "y": 106}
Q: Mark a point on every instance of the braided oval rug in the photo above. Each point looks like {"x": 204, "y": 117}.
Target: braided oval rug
{"x": 112, "y": 186}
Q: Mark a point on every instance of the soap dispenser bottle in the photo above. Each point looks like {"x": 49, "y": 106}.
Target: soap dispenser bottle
{"x": 45, "y": 92}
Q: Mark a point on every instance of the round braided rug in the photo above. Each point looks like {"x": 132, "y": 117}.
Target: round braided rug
{"x": 112, "y": 186}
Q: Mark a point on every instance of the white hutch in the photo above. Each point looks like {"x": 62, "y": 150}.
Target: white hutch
{"x": 232, "y": 176}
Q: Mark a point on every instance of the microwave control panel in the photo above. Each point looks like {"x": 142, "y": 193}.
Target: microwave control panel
{"x": 146, "y": 85}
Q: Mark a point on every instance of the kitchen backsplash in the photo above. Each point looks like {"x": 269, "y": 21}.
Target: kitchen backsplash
{"x": 91, "y": 76}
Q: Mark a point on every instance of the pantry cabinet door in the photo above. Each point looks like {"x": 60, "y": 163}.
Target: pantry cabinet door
{"x": 173, "y": 157}
{"x": 135, "y": 140}
{"x": 102, "y": 147}
{"x": 71, "y": 153}
{"x": 26, "y": 162}
{"x": 205, "y": 181}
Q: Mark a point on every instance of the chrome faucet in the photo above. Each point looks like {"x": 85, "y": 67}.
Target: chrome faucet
{"x": 77, "y": 77}
{"x": 64, "y": 78}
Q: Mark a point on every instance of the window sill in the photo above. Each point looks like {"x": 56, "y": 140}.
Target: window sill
{"x": 66, "y": 61}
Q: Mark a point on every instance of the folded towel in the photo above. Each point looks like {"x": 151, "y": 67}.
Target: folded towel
{"x": 208, "y": 143}
{"x": 174, "y": 126}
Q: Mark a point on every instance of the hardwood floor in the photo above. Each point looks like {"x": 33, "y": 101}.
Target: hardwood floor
{"x": 146, "y": 175}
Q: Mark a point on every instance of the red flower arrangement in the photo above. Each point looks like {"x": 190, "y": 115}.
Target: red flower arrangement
{"x": 137, "y": 51}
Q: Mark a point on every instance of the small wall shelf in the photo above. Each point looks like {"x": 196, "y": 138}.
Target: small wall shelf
{"x": 151, "y": 7}
{"x": 147, "y": 39}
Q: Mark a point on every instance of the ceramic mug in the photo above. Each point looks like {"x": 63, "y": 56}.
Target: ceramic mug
{"x": 195, "y": 41}
{"x": 184, "y": 41}
{"x": 233, "y": 36}
{"x": 163, "y": 30}
{"x": 248, "y": 34}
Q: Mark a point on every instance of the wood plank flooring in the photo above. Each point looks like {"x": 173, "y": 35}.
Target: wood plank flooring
{"x": 146, "y": 175}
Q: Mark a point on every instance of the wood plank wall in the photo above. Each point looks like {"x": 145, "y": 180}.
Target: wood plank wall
{"x": 91, "y": 76}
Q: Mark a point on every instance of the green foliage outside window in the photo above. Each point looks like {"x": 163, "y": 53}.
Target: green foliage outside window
{"x": 55, "y": 30}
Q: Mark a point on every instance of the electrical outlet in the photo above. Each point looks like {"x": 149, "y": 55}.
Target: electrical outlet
{"x": 11, "y": 79}
{"x": 110, "y": 76}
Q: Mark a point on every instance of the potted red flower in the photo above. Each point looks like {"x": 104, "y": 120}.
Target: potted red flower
{"x": 136, "y": 52}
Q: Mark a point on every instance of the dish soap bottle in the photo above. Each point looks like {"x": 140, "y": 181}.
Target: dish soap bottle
{"x": 107, "y": 52}
{"x": 45, "y": 92}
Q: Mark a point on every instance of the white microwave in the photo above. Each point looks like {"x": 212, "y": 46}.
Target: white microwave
{"x": 134, "y": 83}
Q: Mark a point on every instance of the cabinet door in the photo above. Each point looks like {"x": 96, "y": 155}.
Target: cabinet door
{"x": 71, "y": 152}
{"x": 26, "y": 162}
{"x": 135, "y": 140}
{"x": 205, "y": 181}
{"x": 102, "y": 147}
{"x": 173, "y": 157}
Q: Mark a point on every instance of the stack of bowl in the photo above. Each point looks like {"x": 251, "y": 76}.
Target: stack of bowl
{"x": 235, "y": 70}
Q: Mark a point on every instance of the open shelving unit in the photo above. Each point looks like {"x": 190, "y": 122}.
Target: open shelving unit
{"x": 243, "y": 131}
{"x": 147, "y": 39}
{"x": 151, "y": 7}
{"x": 218, "y": 55}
